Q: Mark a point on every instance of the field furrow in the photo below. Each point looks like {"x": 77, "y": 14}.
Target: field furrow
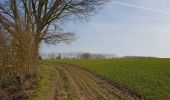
{"x": 78, "y": 84}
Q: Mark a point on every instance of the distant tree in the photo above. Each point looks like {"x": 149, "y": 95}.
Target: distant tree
{"x": 59, "y": 56}
{"x": 85, "y": 56}
{"x": 40, "y": 58}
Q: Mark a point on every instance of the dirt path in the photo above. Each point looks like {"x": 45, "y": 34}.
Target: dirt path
{"x": 77, "y": 84}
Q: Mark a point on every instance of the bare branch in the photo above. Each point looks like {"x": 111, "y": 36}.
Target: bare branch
{"x": 60, "y": 37}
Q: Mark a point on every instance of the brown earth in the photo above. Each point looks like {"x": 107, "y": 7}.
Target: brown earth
{"x": 74, "y": 83}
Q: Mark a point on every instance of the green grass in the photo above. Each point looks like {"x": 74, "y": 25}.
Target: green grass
{"x": 47, "y": 75}
{"x": 149, "y": 77}
{"x": 66, "y": 85}
{"x": 65, "y": 80}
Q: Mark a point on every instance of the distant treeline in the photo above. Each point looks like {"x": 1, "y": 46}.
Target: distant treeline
{"x": 138, "y": 57}
{"x": 81, "y": 55}
{"x": 77, "y": 55}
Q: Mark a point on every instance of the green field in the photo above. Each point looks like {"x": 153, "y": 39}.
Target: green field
{"x": 148, "y": 77}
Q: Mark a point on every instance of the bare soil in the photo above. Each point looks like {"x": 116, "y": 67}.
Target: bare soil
{"x": 74, "y": 83}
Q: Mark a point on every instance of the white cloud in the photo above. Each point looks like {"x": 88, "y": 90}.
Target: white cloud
{"x": 141, "y": 7}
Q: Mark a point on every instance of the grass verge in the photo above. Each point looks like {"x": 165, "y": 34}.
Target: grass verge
{"x": 65, "y": 81}
{"x": 45, "y": 84}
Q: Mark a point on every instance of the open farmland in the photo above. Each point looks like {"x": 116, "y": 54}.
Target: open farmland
{"x": 148, "y": 77}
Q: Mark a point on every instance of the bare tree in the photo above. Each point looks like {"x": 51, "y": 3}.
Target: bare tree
{"x": 85, "y": 56}
{"x": 30, "y": 22}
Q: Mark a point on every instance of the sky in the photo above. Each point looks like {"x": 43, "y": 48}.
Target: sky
{"x": 123, "y": 27}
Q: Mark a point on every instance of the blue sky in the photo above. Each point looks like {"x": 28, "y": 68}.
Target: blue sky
{"x": 124, "y": 27}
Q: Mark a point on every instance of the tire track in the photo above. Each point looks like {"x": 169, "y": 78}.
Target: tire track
{"x": 88, "y": 90}
{"x": 65, "y": 89}
{"x": 82, "y": 85}
{"x": 98, "y": 91}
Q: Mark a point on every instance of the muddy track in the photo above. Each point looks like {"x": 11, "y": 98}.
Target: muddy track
{"x": 77, "y": 84}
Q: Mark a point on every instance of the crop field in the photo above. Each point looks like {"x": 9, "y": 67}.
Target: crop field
{"x": 149, "y": 77}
